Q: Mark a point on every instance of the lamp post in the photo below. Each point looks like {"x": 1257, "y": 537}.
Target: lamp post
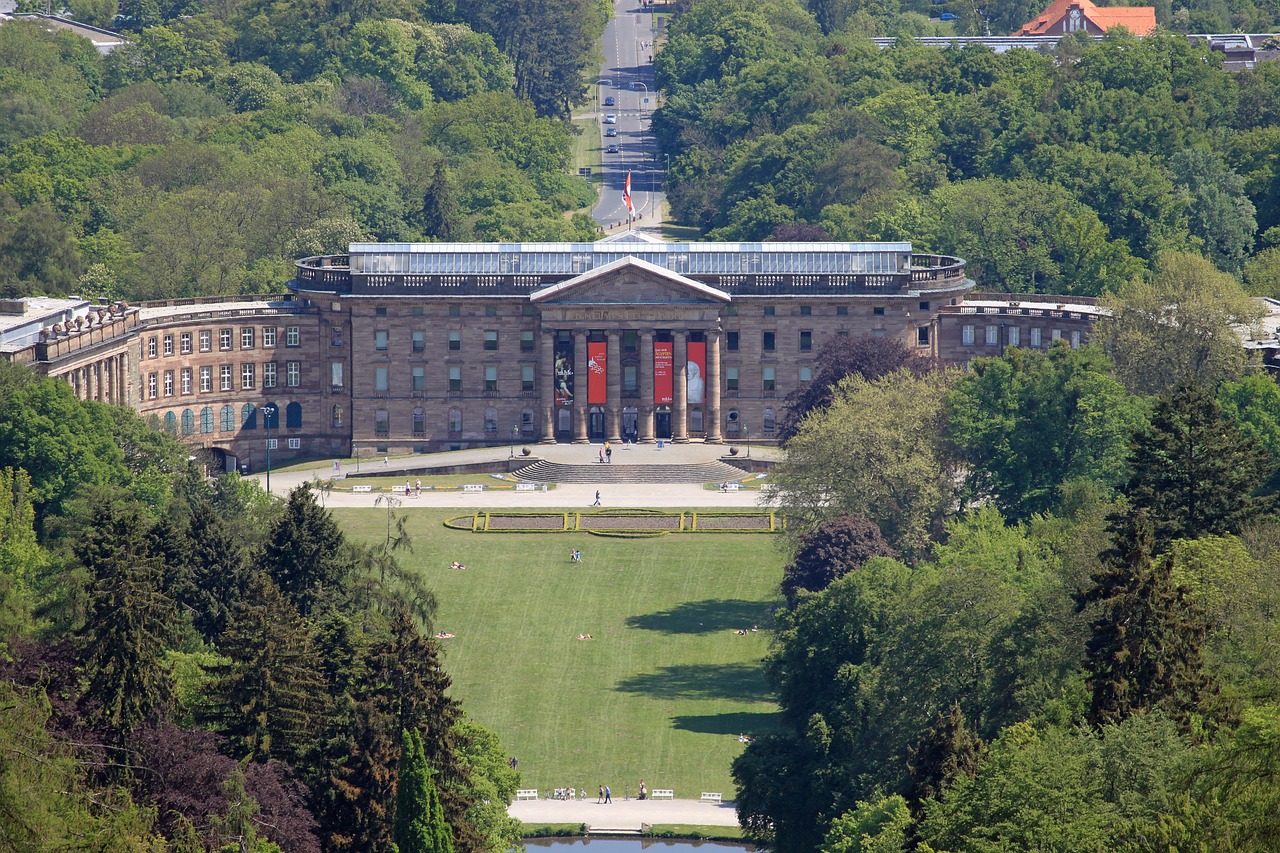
{"x": 515, "y": 433}
{"x": 268, "y": 415}
{"x": 354, "y": 455}
{"x": 746, "y": 435}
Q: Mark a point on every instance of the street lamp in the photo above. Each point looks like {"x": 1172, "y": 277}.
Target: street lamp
{"x": 515, "y": 433}
{"x": 268, "y": 415}
{"x": 354, "y": 455}
{"x": 747, "y": 436}
{"x": 643, "y": 102}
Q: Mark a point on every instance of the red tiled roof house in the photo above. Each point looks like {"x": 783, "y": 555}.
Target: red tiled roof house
{"x": 1070, "y": 16}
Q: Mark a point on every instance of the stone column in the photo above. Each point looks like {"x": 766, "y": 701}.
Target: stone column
{"x": 546, "y": 384}
{"x": 580, "y": 435}
{"x": 613, "y": 376}
{"x": 125, "y": 396}
{"x": 680, "y": 389}
{"x": 113, "y": 386}
{"x": 90, "y": 383}
{"x": 645, "y": 425}
{"x": 711, "y": 411}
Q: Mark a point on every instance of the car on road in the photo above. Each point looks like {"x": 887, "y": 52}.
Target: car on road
{"x": 610, "y": 131}
{"x": 609, "y": 101}
{"x": 611, "y": 119}
{"x": 612, "y": 149}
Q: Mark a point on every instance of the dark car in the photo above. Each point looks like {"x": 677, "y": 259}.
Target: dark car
{"x": 609, "y": 101}
{"x": 610, "y": 131}
{"x": 612, "y": 149}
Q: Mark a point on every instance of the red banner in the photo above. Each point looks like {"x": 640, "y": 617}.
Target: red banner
{"x": 597, "y": 373}
{"x": 696, "y": 372}
{"x": 663, "y": 356}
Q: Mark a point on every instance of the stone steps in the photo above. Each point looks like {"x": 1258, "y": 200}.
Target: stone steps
{"x": 543, "y": 471}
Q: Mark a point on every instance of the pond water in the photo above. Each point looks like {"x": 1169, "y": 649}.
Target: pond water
{"x": 601, "y": 844}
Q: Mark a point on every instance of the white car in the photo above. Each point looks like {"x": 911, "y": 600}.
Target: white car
{"x": 611, "y": 119}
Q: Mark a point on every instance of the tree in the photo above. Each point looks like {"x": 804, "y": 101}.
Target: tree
{"x": 879, "y": 827}
{"x": 420, "y": 823}
{"x": 131, "y": 621}
{"x": 1220, "y": 213}
{"x": 1146, "y": 648}
{"x": 1178, "y": 327}
{"x": 1193, "y": 472}
{"x": 1028, "y": 422}
{"x": 839, "y": 357}
{"x": 306, "y": 553}
{"x": 829, "y": 552}
{"x": 219, "y": 575}
{"x": 21, "y": 556}
{"x": 269, "y": 698}
{"x": 848, "y": 459}
{"x": 948, "y": 751}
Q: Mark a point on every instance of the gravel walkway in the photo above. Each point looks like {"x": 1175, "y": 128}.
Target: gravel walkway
{"x": 624, "y": 814}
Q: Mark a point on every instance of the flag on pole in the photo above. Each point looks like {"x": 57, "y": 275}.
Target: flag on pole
{"x": 626, "y": 196}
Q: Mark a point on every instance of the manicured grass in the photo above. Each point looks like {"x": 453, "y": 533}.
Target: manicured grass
{"x": 660, "y": 692}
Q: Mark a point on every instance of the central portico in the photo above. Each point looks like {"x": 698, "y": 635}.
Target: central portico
{"x": 658, "y": 335}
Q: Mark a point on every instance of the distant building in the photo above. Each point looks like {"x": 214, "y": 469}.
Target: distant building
{"x": 1073, "y": 16}
{"x": 104, "y": 40}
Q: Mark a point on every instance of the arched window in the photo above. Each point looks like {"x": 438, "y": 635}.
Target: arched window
{"x": 455, "y": 420}
{"x": 419, "y": 420}
{"x": 188, "y": 422}
{"x": 270, "y": 421}
{"x": 171, "y": 423}
{"x": 337, "y": 414}
{"x": 491, "y": 421}
{"x": 206, "y": 420}
{"x": 770, "y": 422}
{"x": 228, "y": 418}
{"x": 293, "y": 416}
{"x": 249, "y": 416}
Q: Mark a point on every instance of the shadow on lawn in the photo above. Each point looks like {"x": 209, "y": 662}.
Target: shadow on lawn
{"x": 743, "y": 723}
{"x": 737, "y": 681}
{"x": 704, "y": 617}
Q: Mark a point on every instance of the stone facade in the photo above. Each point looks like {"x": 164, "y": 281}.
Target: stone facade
{"x": 376, "y": 353}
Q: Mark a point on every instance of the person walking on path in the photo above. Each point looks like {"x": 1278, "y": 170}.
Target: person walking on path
{"x": 608, "y": 795}
{"x": 597, "y": 503}
{"x": 600, "y": 796}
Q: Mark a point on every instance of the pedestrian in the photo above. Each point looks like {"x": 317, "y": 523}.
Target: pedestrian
{"x": 417, "y": 486}
{"x": 600, "y": 796}
{"x": 608, "y": 795}
{"x": 597, "y": 503}
{"x": 608, "y": 452}
{"x": 602, "y": 456}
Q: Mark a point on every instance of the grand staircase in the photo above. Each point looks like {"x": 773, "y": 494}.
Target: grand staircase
{"x": 543, "y": 471}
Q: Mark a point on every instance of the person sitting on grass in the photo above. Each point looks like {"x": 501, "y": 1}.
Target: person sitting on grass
{"x": 443, "y": 635}
{"x": 584, "y": 636}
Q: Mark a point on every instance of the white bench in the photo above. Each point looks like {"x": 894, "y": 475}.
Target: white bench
{"x": 362, "y": 489}
{"x": 473, "y": 487}
{"x": 526, "y": 487}
{"x": 529, "y": 794}
{"x": 663, "y": 794}
{"x": 712, "y": 798}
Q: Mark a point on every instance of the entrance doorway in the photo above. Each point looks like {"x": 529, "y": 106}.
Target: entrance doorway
{"x": 631, "y": 423}
{"x": 564, "y": 424}
{"x": 595, "y": 423}
{"x": 662, "y": 422}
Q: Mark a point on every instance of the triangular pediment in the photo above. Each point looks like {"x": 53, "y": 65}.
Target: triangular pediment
{"x": 630, "y": 281}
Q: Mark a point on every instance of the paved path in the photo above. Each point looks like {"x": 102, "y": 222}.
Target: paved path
{"x": 614, "y": 495}
{"x": 624, "y": 814}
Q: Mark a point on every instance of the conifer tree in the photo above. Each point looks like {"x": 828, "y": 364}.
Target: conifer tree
{"x": 305, "y": 552}
{"x": 1148, "y": 635}
{"x": 219, "y": 575}
{"x": 420, "y": 823}
{"x": 1194, "y": 472}
{"x": 131, "y": 621}
{"x": 949, "y": 750}
{"x": 270, "y": 699}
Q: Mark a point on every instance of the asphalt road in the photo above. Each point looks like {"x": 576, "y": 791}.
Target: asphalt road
{"x": 627, "y": 77}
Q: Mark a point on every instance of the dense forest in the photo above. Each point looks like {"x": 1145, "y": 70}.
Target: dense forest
{"x": 1031, "y": 605}
{"x": 228, "y": 139}
{"x": 1068, "y": 171}
{"x": 189, "y": 665}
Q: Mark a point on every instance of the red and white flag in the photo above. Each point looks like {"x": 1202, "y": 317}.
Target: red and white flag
{"x": 626, "y": 196}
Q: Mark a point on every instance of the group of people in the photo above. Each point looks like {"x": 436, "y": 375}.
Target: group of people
{"x": 415, "y": 489}
{"x": 568, "y": 793}
{"x": 444, "y": 635}
{"x": 575, "y": 556}
{"x": 606, "y": 453}
{"x": 742, "y": 632}
{"x": 606, "y": 796}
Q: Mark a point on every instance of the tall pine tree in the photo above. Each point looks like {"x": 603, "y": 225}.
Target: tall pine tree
{"x": 306, "y": 554}
{"x": 1148, "y": 635}
{"x": 420, "y": 823}
{"x": 131, "y": 621}
{"x": 949, "y": 750}
{"x": 1194, "y": 472}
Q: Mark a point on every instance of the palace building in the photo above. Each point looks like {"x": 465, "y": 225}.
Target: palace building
{"x": 398, "y": 348}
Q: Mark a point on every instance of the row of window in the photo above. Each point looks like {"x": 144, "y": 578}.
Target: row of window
{"x": 158, "y": 382}
{"x": 1013, "y": 335}
{"x": 227, "y": 418}
{"x": 418, "y": 341}
{"x": 156, "y": 344}
{"x": 454, "y": 422}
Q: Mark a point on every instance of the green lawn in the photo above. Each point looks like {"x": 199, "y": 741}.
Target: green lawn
{"x": 660, "y": 692}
